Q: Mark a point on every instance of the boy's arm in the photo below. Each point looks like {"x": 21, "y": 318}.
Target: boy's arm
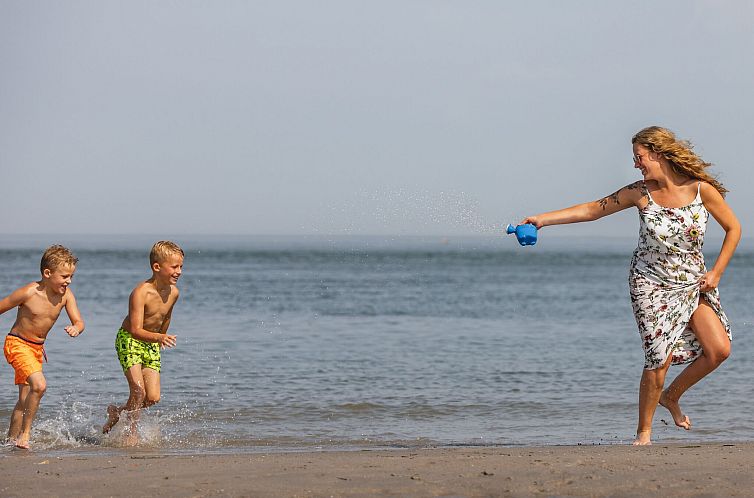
{"x": 14, "y": 299}
{"x": 136, "y": 305}
{"x": 166, "y": 322}
{"x": 77, "y": 323}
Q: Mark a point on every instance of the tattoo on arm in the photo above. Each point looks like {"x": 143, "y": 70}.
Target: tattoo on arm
{"x": 614, "y": 197}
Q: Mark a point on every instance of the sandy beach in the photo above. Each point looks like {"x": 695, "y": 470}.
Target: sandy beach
{"x": 621, "y": 471}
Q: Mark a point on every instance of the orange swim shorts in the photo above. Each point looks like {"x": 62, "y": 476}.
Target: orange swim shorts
{"x": 24, "y": 356}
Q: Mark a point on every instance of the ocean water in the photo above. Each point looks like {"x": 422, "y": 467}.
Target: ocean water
{"x": 347, "y": 343}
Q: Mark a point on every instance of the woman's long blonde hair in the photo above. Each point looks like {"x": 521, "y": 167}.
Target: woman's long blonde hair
{"x": 680, "y": 153}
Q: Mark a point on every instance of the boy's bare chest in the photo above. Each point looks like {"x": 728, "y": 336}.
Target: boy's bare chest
{"x": 40, "y": 307}
{"x": 156, "y": 304}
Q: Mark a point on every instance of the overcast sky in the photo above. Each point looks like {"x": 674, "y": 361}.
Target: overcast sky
{"x": 356, "y": 117}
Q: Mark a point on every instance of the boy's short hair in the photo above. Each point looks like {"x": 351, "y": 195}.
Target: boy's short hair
{"x": 56, "y": 256}
{"x": 162, "y": 250}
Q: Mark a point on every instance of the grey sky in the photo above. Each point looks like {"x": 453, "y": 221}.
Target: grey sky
{"x": 305, "y": 117}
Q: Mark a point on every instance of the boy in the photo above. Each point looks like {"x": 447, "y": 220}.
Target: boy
{"x": 144, "y": 332}
{"x": 39, "y": 305}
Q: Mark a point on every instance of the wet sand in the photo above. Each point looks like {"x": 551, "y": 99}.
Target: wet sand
{"x": 619, "y": 471}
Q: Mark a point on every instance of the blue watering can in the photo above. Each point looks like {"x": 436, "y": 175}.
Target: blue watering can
{"x": 526, "y": 233}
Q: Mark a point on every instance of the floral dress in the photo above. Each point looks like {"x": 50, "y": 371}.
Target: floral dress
{"x": 664, "y": 280}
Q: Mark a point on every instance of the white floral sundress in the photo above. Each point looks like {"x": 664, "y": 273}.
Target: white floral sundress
{"x": 664, "y": 280}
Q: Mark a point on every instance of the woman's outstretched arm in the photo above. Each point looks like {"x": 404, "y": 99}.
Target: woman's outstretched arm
{"x": 628, "y": 196}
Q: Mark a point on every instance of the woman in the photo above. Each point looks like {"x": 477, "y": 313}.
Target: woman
{"x": 675, "y": 299}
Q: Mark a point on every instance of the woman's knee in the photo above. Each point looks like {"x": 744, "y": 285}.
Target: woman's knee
{"x": 152, "y": 399}
{"x": 654, "y": 379}
{"x": 719, "y": 354}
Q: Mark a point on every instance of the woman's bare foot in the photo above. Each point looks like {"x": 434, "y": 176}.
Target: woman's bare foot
{"x": 113, "y": 415}
{"x": 674, "y": 408}
{"x": 643, "y": 438}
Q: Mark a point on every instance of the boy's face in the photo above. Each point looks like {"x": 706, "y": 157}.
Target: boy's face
{"x": 170, "y": 269}
{"x": 59, "y": 279}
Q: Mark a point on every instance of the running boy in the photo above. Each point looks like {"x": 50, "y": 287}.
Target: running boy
{"x": 144, "y": 332}
{"x": 39, "y": 305}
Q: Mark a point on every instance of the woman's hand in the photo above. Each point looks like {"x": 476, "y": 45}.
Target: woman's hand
{"x": 709, "y": 281}
{"x": 533, "y": 220}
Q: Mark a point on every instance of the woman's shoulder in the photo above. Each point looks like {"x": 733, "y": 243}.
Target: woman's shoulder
{"x": 635, "y": 191}
{"x": 637, "y": 185}
{"x": 708, "y": 191}
{"x": 631, "y": 194}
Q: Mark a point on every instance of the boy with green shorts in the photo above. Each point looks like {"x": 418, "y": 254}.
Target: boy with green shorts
{"x": 144, "y": 332}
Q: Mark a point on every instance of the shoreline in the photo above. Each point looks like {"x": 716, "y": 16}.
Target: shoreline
{"x": 707, "y": 469}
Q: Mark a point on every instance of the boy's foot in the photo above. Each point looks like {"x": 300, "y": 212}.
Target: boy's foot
{"x": 642, "y": 438}
{"x": 22, "y": 443}
{"x": 131, "y": 439}
{"x": 674, "y": 408}
{"x": 113, "y": 415}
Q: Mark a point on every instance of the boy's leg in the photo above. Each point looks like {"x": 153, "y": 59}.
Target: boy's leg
{"x": 37, "y": 387}
{"x": 151, "y": 396}
{"x": 130, "y": 353}
{"x": 136, "y": 392}
{"x": 136, "y": 396}
{"x": 151, "y": 386}
{"x": 17, "y": 414}
{"x": 113, "y": 415}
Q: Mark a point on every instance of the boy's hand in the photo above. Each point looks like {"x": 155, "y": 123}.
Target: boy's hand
{"x": 167, "y": 341}
{"x": 72, "y": 331}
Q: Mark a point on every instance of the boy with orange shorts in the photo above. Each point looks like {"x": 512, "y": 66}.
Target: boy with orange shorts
{"x": 39, "y": 305}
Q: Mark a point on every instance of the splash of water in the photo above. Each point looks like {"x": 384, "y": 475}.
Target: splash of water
{"x": 78, "y": 425}
{"x": 404, "y": 211}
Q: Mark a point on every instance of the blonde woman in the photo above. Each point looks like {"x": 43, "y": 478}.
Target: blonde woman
{"x": 674, "y": 297}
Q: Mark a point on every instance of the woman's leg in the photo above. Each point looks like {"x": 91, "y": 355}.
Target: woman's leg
{"x": 715, "y": 349}
{"x": 650, "y": 390}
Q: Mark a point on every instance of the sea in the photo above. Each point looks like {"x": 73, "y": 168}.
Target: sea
{"x": 352, "y": 342}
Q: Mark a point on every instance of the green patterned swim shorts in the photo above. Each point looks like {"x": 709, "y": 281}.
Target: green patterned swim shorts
{"x": 132, "y": 351}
